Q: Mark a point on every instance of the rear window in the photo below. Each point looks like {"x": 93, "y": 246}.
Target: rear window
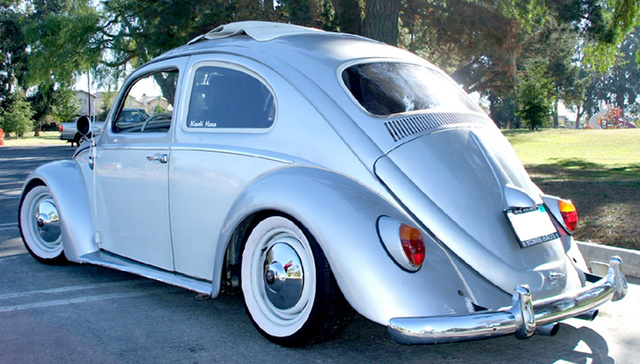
{"x": 392, "y": 88}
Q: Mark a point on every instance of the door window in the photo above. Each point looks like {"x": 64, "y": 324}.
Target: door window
{"x": 148, "y": 105}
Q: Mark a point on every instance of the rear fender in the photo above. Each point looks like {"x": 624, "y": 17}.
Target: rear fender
{"x": 66, "y": 183}
{"x": 342, "y": 216}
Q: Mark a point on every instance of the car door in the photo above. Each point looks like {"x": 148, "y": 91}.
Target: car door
{"x": 131, "y": 168}
{"x": 219, "y": 150}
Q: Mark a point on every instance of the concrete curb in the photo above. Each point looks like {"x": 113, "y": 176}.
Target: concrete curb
{"x": 598, "y": 255}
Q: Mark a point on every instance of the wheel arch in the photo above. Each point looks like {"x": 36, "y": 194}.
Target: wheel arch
{"x": 68, "y": 189}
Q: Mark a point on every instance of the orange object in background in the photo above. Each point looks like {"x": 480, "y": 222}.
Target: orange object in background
{"x": 1, "y": 137}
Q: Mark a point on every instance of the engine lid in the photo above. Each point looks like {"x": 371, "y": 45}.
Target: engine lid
{"x": 458, "y": 182}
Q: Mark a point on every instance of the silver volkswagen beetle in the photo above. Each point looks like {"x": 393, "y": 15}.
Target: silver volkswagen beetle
{"x": 320, "y": 174}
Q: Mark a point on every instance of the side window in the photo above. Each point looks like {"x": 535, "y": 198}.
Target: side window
{"x": 148, "y": 106}
{"x": 223, "y": 98}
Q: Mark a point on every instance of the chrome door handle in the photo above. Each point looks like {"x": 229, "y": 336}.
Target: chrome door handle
{"x": 162, "y": 158}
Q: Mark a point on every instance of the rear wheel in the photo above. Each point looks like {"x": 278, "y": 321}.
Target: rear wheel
{"x": 39, "y": 223}
{"x": 289, "y": 291}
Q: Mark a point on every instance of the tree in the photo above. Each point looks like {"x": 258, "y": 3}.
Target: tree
{"x": 65, "y": 106}
{"x": 485, "y": 44}
{"x": 623, "y": 81}
{"x": 348, "y": 15}
{"x": 16, "y": 118}
{"x": 533, "y": 95}
{"x": 620, "y": 85}
{"x": 63, "y": 40}
{"x": 381, "y": 20}
{"x": 13, "y": 55}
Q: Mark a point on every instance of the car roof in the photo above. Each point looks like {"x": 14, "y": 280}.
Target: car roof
{"x": 291, "y": 44}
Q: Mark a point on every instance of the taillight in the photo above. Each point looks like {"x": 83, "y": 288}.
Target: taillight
{"x": 569, "y": 214}
{"x": 412, "y": 244}
{"x": 61, "y": 128}
{"x": 404, "y": 243}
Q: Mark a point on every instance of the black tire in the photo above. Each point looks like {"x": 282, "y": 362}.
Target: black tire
{"x": 296, "y": 303}
{"x": 76, "y": 139}
{"x": 39, "y": 223}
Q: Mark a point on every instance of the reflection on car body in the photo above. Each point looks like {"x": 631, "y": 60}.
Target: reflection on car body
{"x": 319, "y": 174}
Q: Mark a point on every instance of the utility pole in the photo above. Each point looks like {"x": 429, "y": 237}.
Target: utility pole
{"x": 89, "y": 91}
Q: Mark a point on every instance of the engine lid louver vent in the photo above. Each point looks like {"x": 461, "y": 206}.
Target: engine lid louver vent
{"x": 411, "y": 125}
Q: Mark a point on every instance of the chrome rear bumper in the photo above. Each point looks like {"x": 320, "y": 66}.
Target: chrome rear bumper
{"x": 521, "y": 319}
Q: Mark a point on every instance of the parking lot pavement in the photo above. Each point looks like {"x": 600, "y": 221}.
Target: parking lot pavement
{"x": 80, "y": 313}
{"x": 15, "y": 165}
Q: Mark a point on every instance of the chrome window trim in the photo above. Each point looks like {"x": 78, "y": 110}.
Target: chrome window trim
{"x": 246, "y": 152}
{"x": 235, "y": 67}
{"x": 122, "y": 96}
{"x": 425, "y": 64}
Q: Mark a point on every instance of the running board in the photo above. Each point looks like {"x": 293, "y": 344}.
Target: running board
{"x": 105, "y": 259}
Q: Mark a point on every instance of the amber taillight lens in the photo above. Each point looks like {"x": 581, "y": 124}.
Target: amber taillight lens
{"x": 569, "y": 214}
{"x": 412, "y": 244}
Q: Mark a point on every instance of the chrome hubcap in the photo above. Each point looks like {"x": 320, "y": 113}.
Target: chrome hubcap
{"x": 47, "y": 221}
{"x": 283, "y": 276}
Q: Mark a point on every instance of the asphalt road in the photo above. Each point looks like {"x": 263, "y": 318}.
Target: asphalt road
{"x": 79, "y": 313}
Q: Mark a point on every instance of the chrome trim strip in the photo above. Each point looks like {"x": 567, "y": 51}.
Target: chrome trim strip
{"x": 520, "y": 319}
{"x": 245, "y": 152}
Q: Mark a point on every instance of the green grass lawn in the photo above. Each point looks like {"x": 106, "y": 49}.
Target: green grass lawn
{"x": 45, "y": 138}
{"x": 598, "y": 169}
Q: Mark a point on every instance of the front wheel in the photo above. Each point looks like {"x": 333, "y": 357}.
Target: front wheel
{"x": 39, "y": 223}
{"x": 289, "y": 291}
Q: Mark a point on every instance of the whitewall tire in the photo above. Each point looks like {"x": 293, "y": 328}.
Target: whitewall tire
{"x": 39, "y": 222}
{"x": 289, "y": 292}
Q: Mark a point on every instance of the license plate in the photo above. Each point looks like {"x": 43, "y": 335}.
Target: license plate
{"x": 531, "y": 225}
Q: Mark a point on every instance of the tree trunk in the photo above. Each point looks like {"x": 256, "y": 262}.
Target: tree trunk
{"x": 381, "y": 20}
{"x": 578, "y": 115}
{"x": 555, "y": 112}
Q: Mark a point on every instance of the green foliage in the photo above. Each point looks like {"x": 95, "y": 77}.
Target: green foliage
{"x": 13, "y": 54}
{"x": 107, "y": 101}
{"x": 64, "y": 40}
{"x": 620, "y": 85}
{"x": 16, "y": 118}
{"x": 485, "y": 44}
{"x": 534, "y": 96}
{"x": 65, "y": 106}
{"x": 159, "y": 109}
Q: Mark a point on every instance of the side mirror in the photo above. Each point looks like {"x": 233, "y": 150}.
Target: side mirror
{"x": 83, "y": 125}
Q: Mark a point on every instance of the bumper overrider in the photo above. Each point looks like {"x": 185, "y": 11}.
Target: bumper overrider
{"x": 523, "y": 318}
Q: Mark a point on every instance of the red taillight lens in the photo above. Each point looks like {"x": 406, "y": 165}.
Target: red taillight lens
{"x": 412, "y": 244}
{"x": 569, "y": 214}
{"x": 61, "y": 128}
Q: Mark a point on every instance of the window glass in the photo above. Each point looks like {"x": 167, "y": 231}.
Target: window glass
{"x": 226, "y": 98}
{"x": 148, "y": 106}
{"x": 391, "y": 88}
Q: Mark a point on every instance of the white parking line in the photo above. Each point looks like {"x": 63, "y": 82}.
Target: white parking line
{"x": 82, "y": 299}
{"x": 85, "y": 299}
{"x": 9, "y": 198}
{"x": 73, "y": 288}
{"x": 9, "y": 226}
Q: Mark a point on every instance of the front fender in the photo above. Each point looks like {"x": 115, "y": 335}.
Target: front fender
{"x": 66, "y": 183}
{"x": 342, "y": 216}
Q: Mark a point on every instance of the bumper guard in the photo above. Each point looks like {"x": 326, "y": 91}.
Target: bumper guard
{"x": 521, "y": 319}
